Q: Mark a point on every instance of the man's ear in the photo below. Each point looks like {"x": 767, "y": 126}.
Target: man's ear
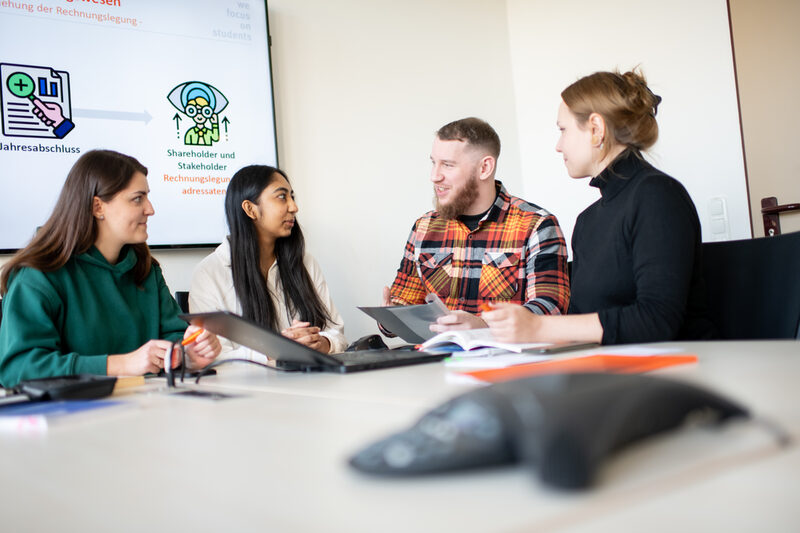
{"x": 249, "y": 209}
{"x": 598, "y": 128}
{"x": 487, "y": 166}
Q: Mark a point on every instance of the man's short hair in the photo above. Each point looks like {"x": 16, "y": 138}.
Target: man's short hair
{"x": 473, "y": 131}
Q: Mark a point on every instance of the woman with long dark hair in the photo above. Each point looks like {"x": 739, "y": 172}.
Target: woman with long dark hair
{"x": 86, "y": 296}
{"x": 262, "y": 271}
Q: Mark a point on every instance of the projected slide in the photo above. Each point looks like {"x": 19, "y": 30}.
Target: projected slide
{"x": 184, "y": 86}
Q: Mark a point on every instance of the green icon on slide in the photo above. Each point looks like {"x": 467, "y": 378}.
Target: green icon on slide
{"x": 20, "y": 84}
{"x": 202, "y": 103}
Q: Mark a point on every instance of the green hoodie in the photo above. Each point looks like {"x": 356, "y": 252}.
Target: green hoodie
{"x": 69, "y": 321}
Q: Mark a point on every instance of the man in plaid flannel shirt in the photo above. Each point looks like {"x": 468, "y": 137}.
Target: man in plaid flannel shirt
{"x": 480, "y": 244}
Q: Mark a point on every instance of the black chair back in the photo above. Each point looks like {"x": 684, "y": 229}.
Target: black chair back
{"x": 182, "y": 297}
{"x": 753, "y": 287}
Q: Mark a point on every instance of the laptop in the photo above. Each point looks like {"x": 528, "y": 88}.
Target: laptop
{"x": 291, "y": 355}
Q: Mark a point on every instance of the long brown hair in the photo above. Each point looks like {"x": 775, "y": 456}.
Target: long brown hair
{"x": 72, "y": 228}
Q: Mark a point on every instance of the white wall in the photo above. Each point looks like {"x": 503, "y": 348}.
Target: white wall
{"x": 684, "y": 48}
{"x": 360, "y": 88}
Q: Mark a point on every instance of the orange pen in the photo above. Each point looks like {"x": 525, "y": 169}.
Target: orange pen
{"x": 191, "y": 338}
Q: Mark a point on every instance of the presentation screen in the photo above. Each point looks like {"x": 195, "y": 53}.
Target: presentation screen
{"x": 183, "y": 86}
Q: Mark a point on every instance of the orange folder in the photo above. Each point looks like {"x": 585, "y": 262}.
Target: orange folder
{"x": 622, "y": 364}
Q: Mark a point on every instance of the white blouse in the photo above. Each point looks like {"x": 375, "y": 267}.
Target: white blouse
{"x": 212, "y": 290}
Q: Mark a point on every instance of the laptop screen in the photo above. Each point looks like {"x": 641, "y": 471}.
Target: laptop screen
{"x": 244, "y": 332}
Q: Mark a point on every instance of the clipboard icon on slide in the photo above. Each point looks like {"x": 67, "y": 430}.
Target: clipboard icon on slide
{"x": 35, "y": 101}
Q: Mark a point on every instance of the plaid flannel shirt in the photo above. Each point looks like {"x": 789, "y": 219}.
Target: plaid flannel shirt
{"x": 516, "y": 254}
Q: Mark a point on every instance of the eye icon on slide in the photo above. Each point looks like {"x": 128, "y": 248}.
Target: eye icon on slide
{"x": 202, "y": 103}
{"x": 35, "y": 101}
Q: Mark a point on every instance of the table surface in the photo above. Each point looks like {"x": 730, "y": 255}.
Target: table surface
{"x": 275, "y": 456}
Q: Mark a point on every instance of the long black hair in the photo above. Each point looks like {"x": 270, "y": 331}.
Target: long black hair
{"x": 250, "y": 284}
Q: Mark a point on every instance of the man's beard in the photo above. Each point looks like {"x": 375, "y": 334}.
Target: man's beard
{"x": 462, "y": 200}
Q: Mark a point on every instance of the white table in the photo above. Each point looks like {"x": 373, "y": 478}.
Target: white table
{"x": 274, "y": 459}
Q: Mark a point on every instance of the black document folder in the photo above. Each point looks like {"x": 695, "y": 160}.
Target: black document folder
{"x": 409, "y": 322}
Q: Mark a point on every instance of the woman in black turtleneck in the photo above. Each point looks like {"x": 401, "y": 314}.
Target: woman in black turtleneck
{"x": 637, "y": 272}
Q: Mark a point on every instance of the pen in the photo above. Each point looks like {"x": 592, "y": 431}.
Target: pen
{"x": 191, "y": 338}
{"x": 489, "y": 306}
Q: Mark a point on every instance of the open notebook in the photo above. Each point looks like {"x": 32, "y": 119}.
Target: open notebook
{"x": 476, "y": 339}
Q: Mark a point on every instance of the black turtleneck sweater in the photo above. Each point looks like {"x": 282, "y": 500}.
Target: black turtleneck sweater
{"x": 637, "y": 257}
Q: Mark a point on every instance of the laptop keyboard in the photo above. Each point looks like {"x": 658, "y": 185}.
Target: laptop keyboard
{"x": 375, "y": 356}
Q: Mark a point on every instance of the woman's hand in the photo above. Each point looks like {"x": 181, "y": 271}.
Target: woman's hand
{"x": 203, "y": 350}
{"x": 457, "y": 320}
{"x": 513, "y": 323}
{"x": 148, "y": 358}
{"x": 308, "y": 335}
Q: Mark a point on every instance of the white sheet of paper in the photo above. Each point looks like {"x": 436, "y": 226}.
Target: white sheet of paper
{"x": 636, "y": 350}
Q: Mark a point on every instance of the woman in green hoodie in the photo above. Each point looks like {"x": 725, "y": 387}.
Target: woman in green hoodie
{"x": 86, "y": 296}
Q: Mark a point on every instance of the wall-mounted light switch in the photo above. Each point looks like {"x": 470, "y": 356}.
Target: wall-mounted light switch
{"x": 719, "y": 223}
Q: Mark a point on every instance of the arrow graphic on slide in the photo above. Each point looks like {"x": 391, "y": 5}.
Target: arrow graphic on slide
{"x": 144, "y": 116}
{"x": 225, "y": 123}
